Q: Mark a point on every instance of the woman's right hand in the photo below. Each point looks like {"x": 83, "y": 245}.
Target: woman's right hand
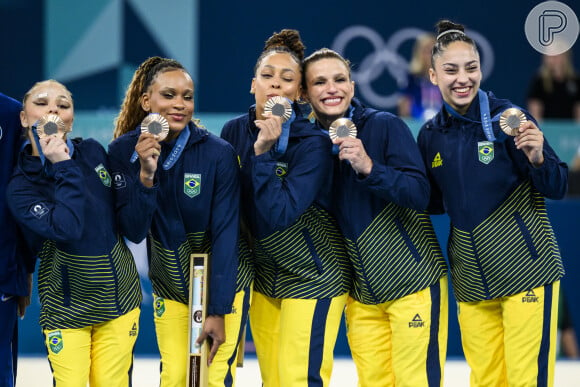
{"x": 148, "y": 149}
{"x": 54, "y": 148}
{"x": 270, "y": 131}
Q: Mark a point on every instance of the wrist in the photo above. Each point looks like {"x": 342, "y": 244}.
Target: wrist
{"x": 147, "y": 178}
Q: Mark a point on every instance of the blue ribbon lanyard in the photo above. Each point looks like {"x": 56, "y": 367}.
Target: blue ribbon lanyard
{"x": 176, "y": 152}
{"x": 335, "y": 148}
{"x": 484, "y": 114}
{"x": 282, "y": 144}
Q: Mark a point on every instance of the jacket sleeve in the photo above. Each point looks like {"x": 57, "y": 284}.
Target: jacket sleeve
{"x": 135, "y": 204}
{"x": 225, "y": 220}
{"x": 435, "y": 205}
{"x": 401, "y": 179}
{"x": 281, "y": 200}
{"x": 551, "y": 178}
{"x": 58, "y": 217}
{"x": 226, "y": 131}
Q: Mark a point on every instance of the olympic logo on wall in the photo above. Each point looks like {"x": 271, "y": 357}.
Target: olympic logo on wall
{"x": 385, "y": 57}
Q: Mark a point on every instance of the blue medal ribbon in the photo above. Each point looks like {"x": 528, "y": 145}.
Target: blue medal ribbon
{"x": 176, "y": 152}
{"x": 282, "y": 143}
{"x": 178, "y": 148}
{"x": 484, "y": 114}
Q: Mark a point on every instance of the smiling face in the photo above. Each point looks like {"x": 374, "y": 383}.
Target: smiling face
{"x": 171, "y": 95}
{"x": 457, "y": 73}
{"x": 47, "y": 97}
{"x": 277, "y": 75}
{"x": 329, "y": 89}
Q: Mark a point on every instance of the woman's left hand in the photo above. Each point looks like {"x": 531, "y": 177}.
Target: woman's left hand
{"x": 24, "y": 301}
{"x": 531, "y": 141}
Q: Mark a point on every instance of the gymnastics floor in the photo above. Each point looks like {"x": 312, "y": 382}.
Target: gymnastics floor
{"x": 35, "y": 372}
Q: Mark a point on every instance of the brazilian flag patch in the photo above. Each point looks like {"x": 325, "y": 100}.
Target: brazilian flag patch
{"x": 485, "y": 151}
{"x": 159, "y": 306}
{"x": 281, "y": 170}
{"x": 103, "y": 175}
{"x": 55, "y": 342}
{"x": 192, "y": 184}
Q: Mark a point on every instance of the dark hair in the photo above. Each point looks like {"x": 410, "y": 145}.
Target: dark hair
{"x": 131, "y": 113}
{"x": 447, "y": 33}
{"x": 287, "y": 41}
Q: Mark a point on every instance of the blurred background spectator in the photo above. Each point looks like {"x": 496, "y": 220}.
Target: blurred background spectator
{"x": 555, "y": 90}
{"x": 420, "y": 99}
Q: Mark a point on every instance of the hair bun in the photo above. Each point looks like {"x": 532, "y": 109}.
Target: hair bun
{"x": 446, "y": 25}
{"x": 289, "y": 39}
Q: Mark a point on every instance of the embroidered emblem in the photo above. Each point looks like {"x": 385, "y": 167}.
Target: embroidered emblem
{"x": 191, "y": 184}
{"x": 485, "y": 151}
{"x": 55, "y": 342}
{"x": 119, "y": 180}
{"x": 437, "y": 161}
{"x": 281, "y": 170}
{"x": 159, "y": 306}
{"x": 39, "y": 210}
{"x": 103, "y": 175}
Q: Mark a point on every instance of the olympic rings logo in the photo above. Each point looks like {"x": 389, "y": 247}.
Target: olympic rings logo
{"x": 385, "y": 56}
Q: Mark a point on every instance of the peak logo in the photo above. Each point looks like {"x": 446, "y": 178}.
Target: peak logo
{"x": 417, "y": 322}
{"x": 530, "y": 297}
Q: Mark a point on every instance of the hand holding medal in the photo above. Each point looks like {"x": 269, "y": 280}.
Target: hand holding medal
{"x": 50, "y": 136}
{"x": 342, "y": 127}
{"x": 155, "y": 124}
{"x": 154, "y": 128}
{"x": 530, "y": 139}
{"x": 280, "y": 107}
{"x": 343, "y": 134}
{"x": 49, "y": 125}
{"x": 511, "y": 120}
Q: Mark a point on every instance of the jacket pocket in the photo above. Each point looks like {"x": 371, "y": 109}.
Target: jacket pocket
{"x": 65, "y": 285}
{"x": 312, "y": 249}
{"x": 526, "y": 235}
{"x": 408, "y": 242}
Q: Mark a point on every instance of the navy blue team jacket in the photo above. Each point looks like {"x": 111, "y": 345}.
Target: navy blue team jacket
{"x": 87, "y": 275}
{"x": 286, "y": 202}
{"x": 391, "y": 241}
{"x": 501, "y": 240}
{"x": 14, "y": 255}
{"x": 193, "y": 207}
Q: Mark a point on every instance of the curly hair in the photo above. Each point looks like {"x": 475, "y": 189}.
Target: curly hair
{"x": 288, "y": 41}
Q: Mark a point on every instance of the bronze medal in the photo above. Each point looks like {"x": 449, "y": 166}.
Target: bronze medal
{"x": 511, "y": 120}
{"x": 51, "y": 124}
{"x": 342, "y": 127}
{"x": 155, "y": 124}
{"x": 278, "y": 106}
